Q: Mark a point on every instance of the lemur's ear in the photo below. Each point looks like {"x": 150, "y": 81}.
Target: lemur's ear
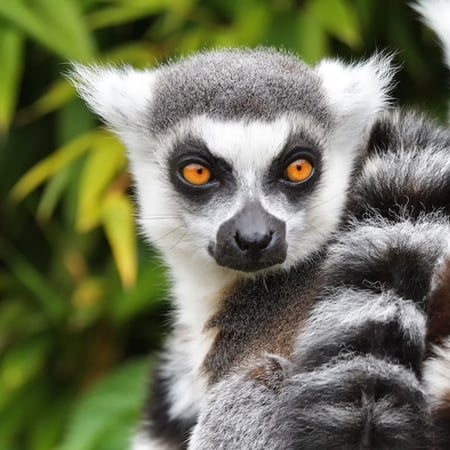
{"x": 357, "y": 92}
{"x": 120, "y": 96}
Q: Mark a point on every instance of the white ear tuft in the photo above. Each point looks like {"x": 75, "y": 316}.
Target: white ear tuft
{"x": 120, "y": 96}
{"x": 436, "y": 15}
{"x": 357, "y": 92}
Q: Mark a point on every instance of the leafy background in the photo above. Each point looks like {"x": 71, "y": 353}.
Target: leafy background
{"x": 81, "y": 298}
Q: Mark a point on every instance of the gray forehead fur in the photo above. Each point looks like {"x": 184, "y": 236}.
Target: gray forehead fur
{"x": 231, "y": 84}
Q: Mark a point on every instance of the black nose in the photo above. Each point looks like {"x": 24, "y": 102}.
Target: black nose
{"x": 251, "y": 240}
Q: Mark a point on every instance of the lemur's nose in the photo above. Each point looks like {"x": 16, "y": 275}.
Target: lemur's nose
{"x": 253, "y": 242}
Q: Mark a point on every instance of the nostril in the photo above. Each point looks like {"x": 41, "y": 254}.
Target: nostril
{"x": 253, "y": 242}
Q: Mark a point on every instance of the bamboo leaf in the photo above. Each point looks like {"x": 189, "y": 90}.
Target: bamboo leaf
{"x": 138, "y": 54}
{"x": 18, "y": 320}
{"x": 149, "y": 292}
{"x": 60, "y": 93}
{"x": 11, "y": 56}
{"x": 23, "y": 407}
{"x": 72, "y": 29}
{"x": 118, "y": 397}
{"x": 118, "y": 221}
{"x": 71, "y": 42}
{"x": 51, "y": 303}
{"x": 48, "y": 428}
{"x": 53, "y": 192}
{"x": 58, "y": 160}
{"x": 103, "y": 163}
{"x": 22, "y": 362}
{"x": 312, "y": 40}
{"x": 117, "y": 15}
{"x": 87, "y": 300}
{"x": 338, "y": 19}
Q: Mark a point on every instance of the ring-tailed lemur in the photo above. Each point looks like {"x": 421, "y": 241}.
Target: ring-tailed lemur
{"x": 242, "y": 160}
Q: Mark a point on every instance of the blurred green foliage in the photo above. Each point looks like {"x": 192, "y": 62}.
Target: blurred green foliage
{"x": 81, "y": 300}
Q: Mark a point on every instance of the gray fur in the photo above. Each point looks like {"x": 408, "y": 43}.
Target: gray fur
{"x": 232, "y": 84}
{"x": 347, "y": 314}
{"x": 329, "y": 408}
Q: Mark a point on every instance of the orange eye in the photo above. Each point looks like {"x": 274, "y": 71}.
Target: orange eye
{"x": 196, "y": 174}
{"x": 299, "y": 170}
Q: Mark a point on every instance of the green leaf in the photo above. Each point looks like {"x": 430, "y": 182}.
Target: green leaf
{"x": 72, "y": 29}
{"x": 104, "y": 162}
{"x": 46, "y": 432}
{"x": 113, "y": 404}
{"x": 312, "y": 40}
{"x": 59, "y": 94}
{"x": 117, "y": 15}
{"x": 21, "y": 363}
{"x": 118, "y": 221}
{"x": 56, "y": 24}
{"x": 18, "y": 319}
{"x": 138, "y": 54}
{"x": 51, "y": 303}
{"x": 11, "y": 57}
{"x": 72, "y": 120}
{"x": 49, "y": 166}
{"x": 150, "y": 290}
{"x": 23, "y": 407}
{"x": 53, "y": 192}
{"x": 87, "y": 300}
{"x": 338, "y": 19}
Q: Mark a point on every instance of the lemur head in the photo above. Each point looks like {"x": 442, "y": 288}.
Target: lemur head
{"x": 241, "y": 157}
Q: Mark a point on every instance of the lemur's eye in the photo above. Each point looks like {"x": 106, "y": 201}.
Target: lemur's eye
{"x": 196, "y": 174}
{"x": 299, "y": 171}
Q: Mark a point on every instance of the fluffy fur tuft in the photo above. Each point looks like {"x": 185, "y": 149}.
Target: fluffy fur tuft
{"x": 358, "y": 92}
{"x": 120, "y": 96}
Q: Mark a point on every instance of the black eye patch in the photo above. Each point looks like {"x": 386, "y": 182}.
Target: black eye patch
{"x": 195, "y": 151}
{"x": 276, "y": 178}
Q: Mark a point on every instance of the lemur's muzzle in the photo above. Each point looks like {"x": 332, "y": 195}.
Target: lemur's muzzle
{"x": 251, "y": 240}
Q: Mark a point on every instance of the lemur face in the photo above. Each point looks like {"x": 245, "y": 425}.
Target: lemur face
{"x": 241, "y": 158}
{"x": 245, "y": 190}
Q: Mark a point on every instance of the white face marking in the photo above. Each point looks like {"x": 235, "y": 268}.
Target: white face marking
{"x": 250, "y": 148}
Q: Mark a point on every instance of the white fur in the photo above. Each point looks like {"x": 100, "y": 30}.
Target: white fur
{"x": 357, "y": 92}
{"x": 197, "y": 295}
{"x": 120, "y": 96}
{"x": 436, "y": 372}
{"x": 436, "y": 15}
{"x": 142, "y": 442}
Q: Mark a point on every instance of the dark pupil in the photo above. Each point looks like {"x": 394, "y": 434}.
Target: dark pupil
{"x": 200, "y": 170}
{"x": 299, "y": 167}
